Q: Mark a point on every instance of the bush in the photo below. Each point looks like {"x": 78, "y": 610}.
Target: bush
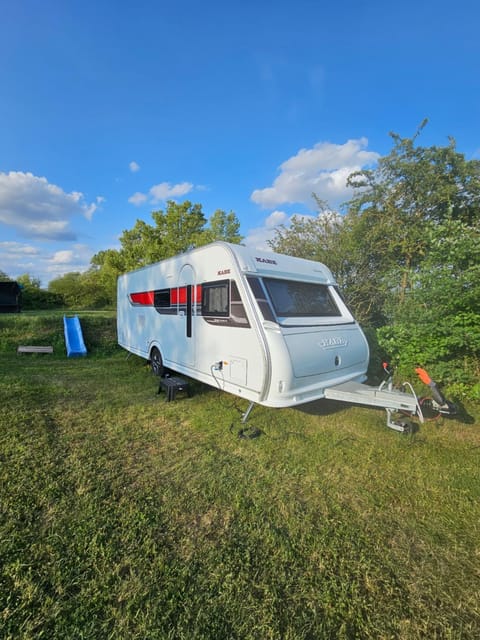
{"x": 437, "y": 324}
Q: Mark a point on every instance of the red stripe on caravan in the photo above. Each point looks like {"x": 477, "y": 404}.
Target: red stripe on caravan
{"x": 178, "y": 296}
{"x": 142, "y": 297}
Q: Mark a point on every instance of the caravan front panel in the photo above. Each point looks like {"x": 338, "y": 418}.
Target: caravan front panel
{"x": 314, "y": 340}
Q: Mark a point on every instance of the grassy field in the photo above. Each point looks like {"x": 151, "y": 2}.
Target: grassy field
{"x": 123, "y": 516}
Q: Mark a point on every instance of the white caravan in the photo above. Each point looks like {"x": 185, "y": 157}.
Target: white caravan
{"x": 269, "y": 328}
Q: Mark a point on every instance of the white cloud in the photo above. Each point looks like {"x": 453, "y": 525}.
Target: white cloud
{"x": 62, "y": 257}
{"x": 161, "y": 192}
{"x": 44, "y": 263}
{"x": 258, "y": 237}
{"x": 138, "y": 198}
{"x": 165, "y": 190}
{"x": 11, "y": 248}
{"x": 275, "y": 218}
{"x": 58, "y": 263}
{"x": 38, "y": 209}
{"x": 322, "y": 170}
{"x": 134, "y": 167}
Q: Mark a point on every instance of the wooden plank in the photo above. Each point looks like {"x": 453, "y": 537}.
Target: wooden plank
{"x": 33, "y": 349}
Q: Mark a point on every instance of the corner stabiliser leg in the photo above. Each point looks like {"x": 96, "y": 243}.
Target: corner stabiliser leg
{"x": 247, "y": 413}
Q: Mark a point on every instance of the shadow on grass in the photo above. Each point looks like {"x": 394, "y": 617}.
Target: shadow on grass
{"x": 462, "y": 414}
{"x": 322, "y": 407}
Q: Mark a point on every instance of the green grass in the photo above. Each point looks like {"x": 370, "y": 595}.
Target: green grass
{"x": 123, "y": 516}
{"x": 46, "y": 329}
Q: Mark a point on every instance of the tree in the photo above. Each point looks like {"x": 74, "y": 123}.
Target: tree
{"x": 416, "y": 217}
{"x": 68, "y": 287}
{"x": 329, "y": 238}
{"x": 81, "y": 290}
{"x": 407, "y": 256}
{"x": 313, "y": 238}
{"x": 109, "y": 264}
{"x": 179, "y": 228}
{"x": 176, "y": 230}
{"x": 438, "y": 325}
{"x": 394, "y": 204}
{"x": 223, "y": 226}
{"x": 28, "y": 282}
{"x": 34, "y": 297}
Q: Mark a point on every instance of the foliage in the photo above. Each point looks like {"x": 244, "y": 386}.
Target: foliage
{"x": 336, "y": 241}
{"x": 406, "y": 255}
{"x": 124, "y": 516}
{"x": 312, "y": 238}
{"x": 437, "y": 324}
{"x": 109, "y": 265}
{"x": 222, "y": 226}
{"x": 67, "y": 286}
{"x": 81, "y": 290}
{"x": 417, "y": 217}
{"x": 34, "y": 297}
{"x": 180, "y": 228}
{"x": 395, "y": 204}
{"x": 175, "y": 231}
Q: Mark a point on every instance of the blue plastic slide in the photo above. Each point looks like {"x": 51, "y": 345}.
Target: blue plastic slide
{"x": 73, "y": 337}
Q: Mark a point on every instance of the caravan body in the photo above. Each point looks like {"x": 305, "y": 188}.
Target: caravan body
{"x": 270, "y": 328}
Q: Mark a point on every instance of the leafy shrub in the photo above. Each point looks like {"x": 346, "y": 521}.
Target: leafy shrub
{"x": 437, "y": 324}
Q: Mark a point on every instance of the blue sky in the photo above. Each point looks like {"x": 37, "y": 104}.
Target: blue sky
{"x": 108, "y": 109}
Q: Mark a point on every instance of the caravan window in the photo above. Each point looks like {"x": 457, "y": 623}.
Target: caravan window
{"x": 292, "y": 298}
{"x": 162, "y": 298}
{"x": 216, "y": 298}
{"x": 237, "y": 310}
{"x": 260, "y": 296}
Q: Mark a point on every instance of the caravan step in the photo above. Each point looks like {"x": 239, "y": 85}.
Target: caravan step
{"x": 172, "y": 385}
{"x": 358, "y": 393}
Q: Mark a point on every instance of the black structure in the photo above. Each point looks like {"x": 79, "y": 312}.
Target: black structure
{"x": 172, "y": 385}
{"x": 10, "y": 297}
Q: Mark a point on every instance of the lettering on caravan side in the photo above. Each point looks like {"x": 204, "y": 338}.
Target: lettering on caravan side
{"x": 332, "y": 342}
{"x": 266, "y": 260}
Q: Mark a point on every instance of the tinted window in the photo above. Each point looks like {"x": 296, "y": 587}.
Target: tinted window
{"x": 238, "y": 312}
{"x": 259, "y": 293}
{"x": 162, "y": 298}
{"x": 291, "y": 298}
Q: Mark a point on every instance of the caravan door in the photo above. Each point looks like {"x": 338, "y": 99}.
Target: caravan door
{"x": 186, "y": 313}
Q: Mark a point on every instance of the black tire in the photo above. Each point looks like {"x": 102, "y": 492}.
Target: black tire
{"x": 156, "y": 362}
{"x": 428, "y": 410}
{"x": 408, "y": 427}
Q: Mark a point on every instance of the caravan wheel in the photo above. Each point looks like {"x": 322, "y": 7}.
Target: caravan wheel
{"x": 156, "y": 362}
